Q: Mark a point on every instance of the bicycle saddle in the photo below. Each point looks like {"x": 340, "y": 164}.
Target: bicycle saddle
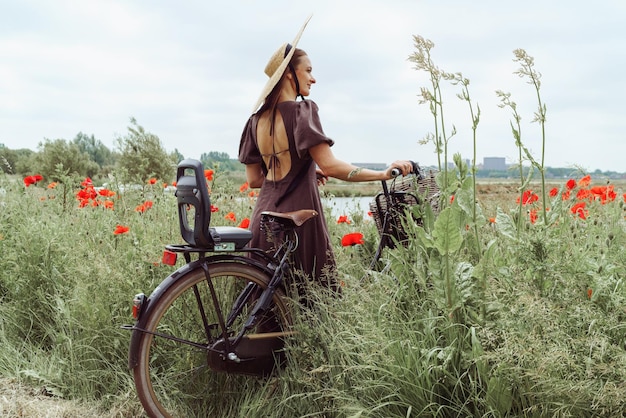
{"x": 296, "y": 218}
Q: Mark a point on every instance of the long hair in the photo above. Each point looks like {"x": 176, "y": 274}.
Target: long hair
{"x": 271, "y": 101}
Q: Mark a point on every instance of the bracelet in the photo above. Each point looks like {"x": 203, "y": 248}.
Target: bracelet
{"x": 355, "y": 172}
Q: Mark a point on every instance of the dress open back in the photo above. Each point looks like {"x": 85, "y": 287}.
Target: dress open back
{"x": 297, "y": 190}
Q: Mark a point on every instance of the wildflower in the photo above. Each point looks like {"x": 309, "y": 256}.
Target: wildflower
{"x": 164, "y": 185}
{"x": 492, "y": 220}
{"x": 589, "y": 293}
{"x": 583, "y": 194}
{"x": 144, "y": 206}
{"x": 244, "y": 187}
{"x": 351, "y": 239}
{"x": 554, "y": 191}
{"x": 579, "y": 209}
{"x": 533, "y": 216}
{"x": 566, "y": 195}
{"x": 369, "y": 213}
{"x": 106, "y": 192}
{"x": 451, "y": 199}
{"x": 528, "y": 197}
{"x": 245, "y": 223}
{"x": 108, "y": 204}
{"x": 30, "y": 180}
{"x": 603, "y": 193}
{"x": 53, "y": 185}
{"x": 121, "y": 229}
{"x": 343, "y": 219}
{"x": 585, "y": 181}
{"x": 152, "y": 181}
{"x": 87, "y": 182}
{"x": 214, "y": 209}
{"x": 230, "y": 216}
{"x": 174, "y": 184}
{"x": 571, "y": 183}
{"x": 208, "y": 174}
{"x": 253, "y": 193}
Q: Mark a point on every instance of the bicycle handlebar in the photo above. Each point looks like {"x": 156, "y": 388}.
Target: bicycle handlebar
{"x": 395, "y": 172}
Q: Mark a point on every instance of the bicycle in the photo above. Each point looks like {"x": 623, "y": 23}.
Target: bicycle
{"x": 224, "y": 313}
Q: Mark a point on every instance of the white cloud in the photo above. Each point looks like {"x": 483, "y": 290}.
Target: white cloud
{"x": 190, "y": 71}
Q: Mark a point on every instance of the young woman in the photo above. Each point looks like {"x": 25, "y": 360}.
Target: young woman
{"x": 287, "y": 155}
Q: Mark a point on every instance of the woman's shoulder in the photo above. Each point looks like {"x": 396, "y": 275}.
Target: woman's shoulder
{"x": 305, "y": 105}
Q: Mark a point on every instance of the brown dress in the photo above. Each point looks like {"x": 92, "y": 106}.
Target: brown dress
{"x": 297, "y": 190}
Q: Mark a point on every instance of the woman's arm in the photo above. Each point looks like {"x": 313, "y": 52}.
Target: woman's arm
{"x": 333, "y": 167}
{"x": 254, "y": 175}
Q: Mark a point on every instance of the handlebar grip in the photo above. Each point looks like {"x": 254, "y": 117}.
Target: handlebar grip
{"x": 395, "y": 172}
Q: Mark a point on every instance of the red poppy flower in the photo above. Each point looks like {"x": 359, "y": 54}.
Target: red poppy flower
{"x": 53, "y": 185}
{"x": 253, "y": 193}
{"x": 566, "y": 195}
{"x": 583, "y": 194}
{"x": 451, "y": 199}
{"x": 554, "y": 191}
{"x": 353, "y": 238}
{"x": 244, "y": 187}
{"x": 589, "y": 293}
{"x": 585, "y": 181}
{"x": 579, "y": 209}
{"x": 121, "y": 229}
{"x": 533, "y": 216}
{"x": 152, "y": 181}
{"x": 87, "y": 182}
{"x": 571, "y": 183}
{"x": 214, "y": 209}
{"x": 29, "y": 180}
{"x": 106, "y": 192}
{"x": 174, "y": 183}
{"x": 343, "y": 219}
{"x": 245, "y": 223}
{"x": 208, "y": 174}
{"x": 492, "y": 220}
{"x": 528, "y": 197}
{"x": 230, "y": 216}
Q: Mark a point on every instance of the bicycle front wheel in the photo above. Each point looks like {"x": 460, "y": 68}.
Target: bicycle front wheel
{"x": 176, "y": 373}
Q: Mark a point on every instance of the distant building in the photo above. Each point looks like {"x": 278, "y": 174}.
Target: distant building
{"x": 494, "y": 163}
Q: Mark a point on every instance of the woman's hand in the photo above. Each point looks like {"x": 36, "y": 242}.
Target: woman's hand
{"x": 321, "y": 177}
{"x": 404, "y": 166}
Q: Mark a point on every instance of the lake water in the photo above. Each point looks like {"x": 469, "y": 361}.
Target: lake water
{"x": 348, "y": 205}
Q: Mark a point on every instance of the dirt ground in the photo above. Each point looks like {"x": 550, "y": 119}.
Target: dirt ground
{"x": 19, "y": 400}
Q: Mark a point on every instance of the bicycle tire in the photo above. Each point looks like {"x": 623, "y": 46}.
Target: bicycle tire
{"x": 174, "y": 379}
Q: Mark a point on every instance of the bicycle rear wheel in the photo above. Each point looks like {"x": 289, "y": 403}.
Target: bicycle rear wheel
{"x": 174, "y": 378}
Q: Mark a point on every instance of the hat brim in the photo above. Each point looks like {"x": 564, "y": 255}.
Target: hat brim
{"x": 269, "y": 86}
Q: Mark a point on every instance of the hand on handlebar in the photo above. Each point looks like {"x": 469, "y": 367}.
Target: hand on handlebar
{"x": 404, "y": 167}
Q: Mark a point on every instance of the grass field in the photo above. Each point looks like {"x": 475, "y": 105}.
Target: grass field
{"x": 486, "y": 314}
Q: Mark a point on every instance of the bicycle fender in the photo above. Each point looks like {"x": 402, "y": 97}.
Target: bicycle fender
{"x": 162, "y": 288}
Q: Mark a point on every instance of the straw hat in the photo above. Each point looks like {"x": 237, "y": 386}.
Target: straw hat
{"x": 277, "y": 64}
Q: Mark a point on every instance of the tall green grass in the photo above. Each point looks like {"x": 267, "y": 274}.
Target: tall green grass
{"x": 486, "y": 312}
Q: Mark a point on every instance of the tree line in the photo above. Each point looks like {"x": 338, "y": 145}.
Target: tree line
{"x": 138, "y": 156}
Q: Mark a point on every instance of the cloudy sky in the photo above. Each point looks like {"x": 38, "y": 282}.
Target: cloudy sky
{"x": 190, "y": 71}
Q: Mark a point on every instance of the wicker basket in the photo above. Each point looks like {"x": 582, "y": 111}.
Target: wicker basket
{"x": 404, "y": 192}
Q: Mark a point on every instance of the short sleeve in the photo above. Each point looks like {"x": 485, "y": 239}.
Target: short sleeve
{"x": 308, "y": 130}
{"x": 248, "y": 150}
